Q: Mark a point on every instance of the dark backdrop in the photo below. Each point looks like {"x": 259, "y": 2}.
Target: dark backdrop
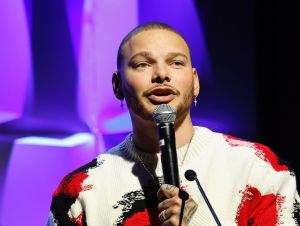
{"x": 257, "y": 42}
{"x": 277, "y": 69}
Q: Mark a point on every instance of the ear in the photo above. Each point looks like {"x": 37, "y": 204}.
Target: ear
{"x": 117, "y": 85}
{"x": 196, "y": 82}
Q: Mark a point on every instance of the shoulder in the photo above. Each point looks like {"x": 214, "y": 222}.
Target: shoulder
{"x": 82, "y": 178}
{"x": 238, "y": 148}
{"x": 259, "y": 152}
{"x": 76, "y": 188}
{"x": 72, "y": 183}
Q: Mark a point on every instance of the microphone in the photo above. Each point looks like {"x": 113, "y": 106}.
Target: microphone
{"x": 165, "y": 116}
{"x": 191, "y": 176}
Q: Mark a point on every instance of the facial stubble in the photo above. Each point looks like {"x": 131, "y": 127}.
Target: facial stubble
{"x": 138, "y": 107}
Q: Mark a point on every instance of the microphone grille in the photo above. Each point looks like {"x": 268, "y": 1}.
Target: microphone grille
{"x": 164, "y": 113}
{"x": 190, "y": 175}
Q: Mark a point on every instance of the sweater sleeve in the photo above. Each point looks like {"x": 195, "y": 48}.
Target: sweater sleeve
{"x": 271, "y": 195}
{"x": 60, "y": 211}
{"x": 280, "y": 200}
{"x": 287, "y": 202}
{"x": 276, "y": 202}
{"x": 280, "y": 206}
{"x": 65, "y": 206}
{"x": 296, "y": 209}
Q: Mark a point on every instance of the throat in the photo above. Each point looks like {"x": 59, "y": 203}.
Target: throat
{"x": 145, "y": 137}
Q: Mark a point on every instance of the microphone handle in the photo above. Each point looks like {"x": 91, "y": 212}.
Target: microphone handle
{"x": 169, "y": 160}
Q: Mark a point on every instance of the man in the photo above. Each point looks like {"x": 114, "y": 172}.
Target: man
{"x": 244, "y": 182}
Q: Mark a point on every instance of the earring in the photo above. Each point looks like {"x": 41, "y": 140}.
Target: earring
{"x": 195, "y": 101}
{"x": 122, "y": 105}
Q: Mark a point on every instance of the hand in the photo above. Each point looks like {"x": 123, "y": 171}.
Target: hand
{"x": 175, "y": 207}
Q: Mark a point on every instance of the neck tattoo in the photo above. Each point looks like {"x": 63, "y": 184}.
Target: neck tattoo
{"x": 141, "y": 162}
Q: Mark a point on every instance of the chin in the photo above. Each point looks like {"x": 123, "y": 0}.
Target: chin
{"x": 144, "y": 111}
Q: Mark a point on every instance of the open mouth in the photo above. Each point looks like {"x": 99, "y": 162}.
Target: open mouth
{"x": 161, "y": 95}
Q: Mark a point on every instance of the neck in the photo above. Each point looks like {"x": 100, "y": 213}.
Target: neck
{"x": 146, "y": 138}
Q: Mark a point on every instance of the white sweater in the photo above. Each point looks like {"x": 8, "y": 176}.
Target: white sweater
{"x": 244, "y": 182}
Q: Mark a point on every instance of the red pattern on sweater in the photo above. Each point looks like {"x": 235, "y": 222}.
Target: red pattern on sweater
{"x": 73, "y": 185}
{"x": 256, "y": 209}
{"x": 265, "y": 153}
{"x": 78, "y": 220}
{"x": 261, "y": 151}
{"x": 143, "y": 219}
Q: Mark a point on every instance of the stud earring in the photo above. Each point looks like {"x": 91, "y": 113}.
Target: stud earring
{"x": 195, "y": 101}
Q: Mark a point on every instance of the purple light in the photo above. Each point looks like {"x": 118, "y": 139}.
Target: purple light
{"x": 14, "y": 58}
{"x": 37, "y": 164}
{"x": 104, "y": 25}
{"x": 71, "y": 141}
{"x": 183, "y": 16}
{"x": 120, "y": 124}
{"x": 74, "y": 11}
{"x": 35, "y": 170}
{"x": 8, "y": 116}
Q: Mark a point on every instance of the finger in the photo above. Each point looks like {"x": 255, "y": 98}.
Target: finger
{"x": 167, "y": 203}
{"x": 171, "y": 221}
{"x": 167, "y": 191}
{"x": 169, "y": 215}
{"x": 162, "y": 216}
{"x": 177, "y": 214}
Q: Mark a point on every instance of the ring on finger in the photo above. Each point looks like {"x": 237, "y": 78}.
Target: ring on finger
{"x": 162, "y": 216}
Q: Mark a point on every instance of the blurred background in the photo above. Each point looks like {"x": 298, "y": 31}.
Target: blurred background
{"x": 57, "y": 108}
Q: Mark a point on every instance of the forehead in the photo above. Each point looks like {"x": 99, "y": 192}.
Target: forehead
{"x": 155, "y": 41}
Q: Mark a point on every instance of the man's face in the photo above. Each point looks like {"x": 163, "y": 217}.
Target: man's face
{"x": 157, "y": 70}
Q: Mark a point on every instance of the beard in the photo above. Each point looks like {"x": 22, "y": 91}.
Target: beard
{"x": 139, "y": 108}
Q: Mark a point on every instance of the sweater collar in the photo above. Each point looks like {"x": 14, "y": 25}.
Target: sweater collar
{"x": 199, "y": 144}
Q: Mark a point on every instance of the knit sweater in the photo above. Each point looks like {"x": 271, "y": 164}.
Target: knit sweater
{"x": 245, "y": 183}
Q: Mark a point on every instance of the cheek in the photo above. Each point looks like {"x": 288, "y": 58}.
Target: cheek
{"x": 184, "y": 81}
{"x": 134, "y": 86}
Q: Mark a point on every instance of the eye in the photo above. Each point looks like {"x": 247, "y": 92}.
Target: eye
{"x": 141, "y": 65}
{"x": 177, "y": 63}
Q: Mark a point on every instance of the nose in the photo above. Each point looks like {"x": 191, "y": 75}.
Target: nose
{"x": 161, "y": 74}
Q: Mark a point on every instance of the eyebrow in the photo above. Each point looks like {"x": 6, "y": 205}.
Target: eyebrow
{"x": 143, "y": 53}
{"x": 149, "y": 55}
{"x": 175, "y": 54}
